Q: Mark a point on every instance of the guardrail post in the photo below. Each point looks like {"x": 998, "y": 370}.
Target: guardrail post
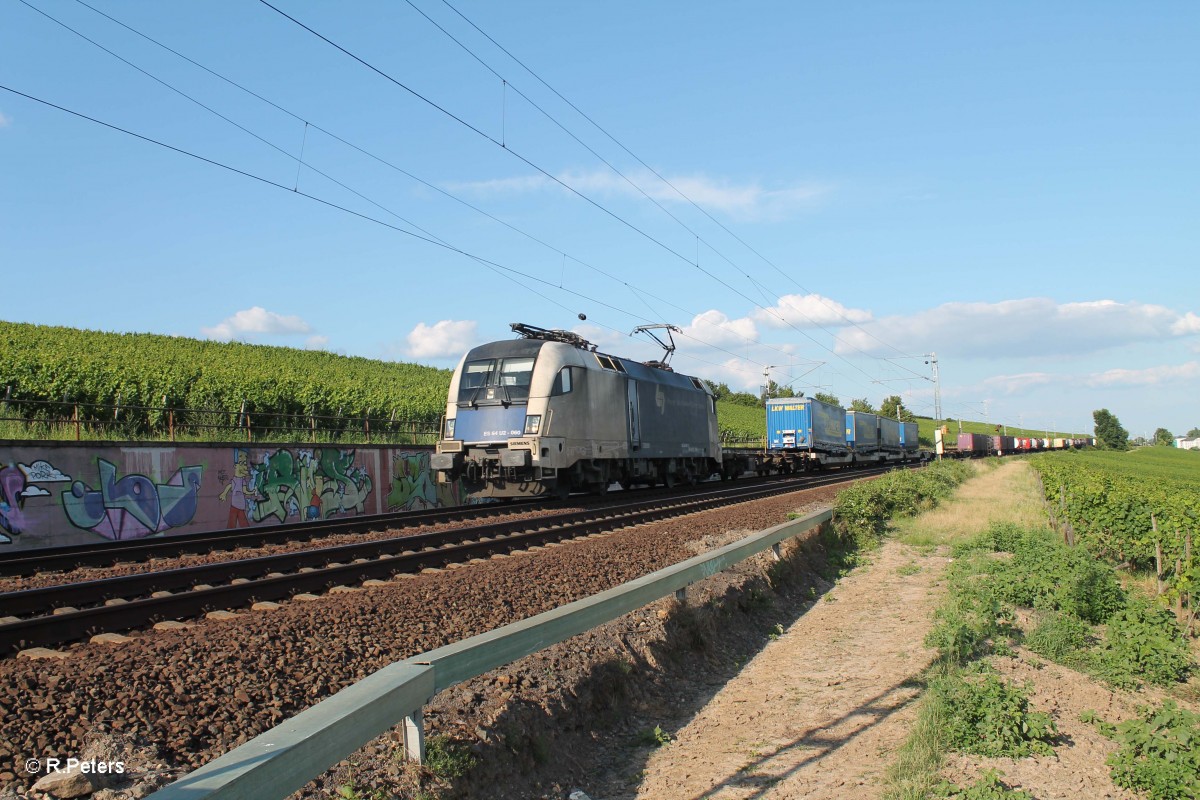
{"x": 414, "y": 737}
{"x": 681, "y": 594}
{"x": 777, "y": 551}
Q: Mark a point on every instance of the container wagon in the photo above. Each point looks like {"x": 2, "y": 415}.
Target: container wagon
{"x": 909, "y": 435}
{"x": 804, "y": 433}
{"x": 889, "y": 436}
{"x": 862, "y": 435}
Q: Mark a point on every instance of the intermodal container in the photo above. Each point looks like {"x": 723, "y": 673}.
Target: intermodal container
{"x": 804, "y": 423}
{"x": 862, "y": 431}
{"x": 909, "y": 434}
{"x": 889, "y": 433}
{"x": 974, "y": 443}
{"x": 1004, "y": 445}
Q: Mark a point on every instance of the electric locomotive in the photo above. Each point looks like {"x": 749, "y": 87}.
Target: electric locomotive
{"x": 546, "y": 414}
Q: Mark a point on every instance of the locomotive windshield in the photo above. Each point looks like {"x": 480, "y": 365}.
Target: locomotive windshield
{"x": 495, "y": 380}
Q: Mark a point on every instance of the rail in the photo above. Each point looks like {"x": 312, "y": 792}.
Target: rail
{"x": 285, "y": 758}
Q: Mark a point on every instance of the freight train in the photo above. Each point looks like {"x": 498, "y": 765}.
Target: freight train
{"x": 977, "y": 445}
{"x": 804, "y": 433}
{"x": 547, "y": 414}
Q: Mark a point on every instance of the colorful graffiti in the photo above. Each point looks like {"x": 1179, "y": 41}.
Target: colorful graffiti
{"x": 413, "y": 486}
{"x": 56, "y": 494}
{"x": 309, "y": 484}
{"x": 12, "y": 520}
{"x": 17, "y": 484}
{"x": 133, "y": 506}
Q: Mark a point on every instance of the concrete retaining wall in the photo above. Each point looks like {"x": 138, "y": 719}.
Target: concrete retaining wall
{"x": 63, "y": 493}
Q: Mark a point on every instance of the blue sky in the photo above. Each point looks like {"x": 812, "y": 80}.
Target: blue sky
{"x": 1012, "y": 186}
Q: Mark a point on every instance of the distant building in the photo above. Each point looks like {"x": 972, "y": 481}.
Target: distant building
{"x": 1184, "y": 443}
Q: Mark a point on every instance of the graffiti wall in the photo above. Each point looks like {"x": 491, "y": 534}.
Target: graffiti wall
{"x": 65, "y": 493}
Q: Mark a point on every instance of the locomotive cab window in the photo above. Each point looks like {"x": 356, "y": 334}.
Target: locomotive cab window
{"x": 515, "y": 375}
{"x": 564, "y": 381}
{"x": 511, "y": 374}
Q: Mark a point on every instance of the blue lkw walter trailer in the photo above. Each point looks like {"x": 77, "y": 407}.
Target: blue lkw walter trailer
{"x": 804, "y": 423}
{"x": 803, "y": 433}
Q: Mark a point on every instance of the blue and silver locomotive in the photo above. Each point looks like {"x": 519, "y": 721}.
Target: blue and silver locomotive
{"x": 548, "y": 414}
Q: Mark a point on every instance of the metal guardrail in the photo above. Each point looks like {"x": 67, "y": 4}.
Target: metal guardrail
{"x": 288, "y": 756}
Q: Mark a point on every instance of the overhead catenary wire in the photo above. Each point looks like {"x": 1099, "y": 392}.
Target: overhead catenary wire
{"x": 555, "y": 179}
{"x": 429, "y": 237}
{"x": 494, "y": 266}
{"x": 653, "y": 171}
{"x": 300, "y": 165}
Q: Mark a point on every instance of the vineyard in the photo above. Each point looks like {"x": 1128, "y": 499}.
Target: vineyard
{"x": 69, "y": 373}
{"x": 1140, "y": 508}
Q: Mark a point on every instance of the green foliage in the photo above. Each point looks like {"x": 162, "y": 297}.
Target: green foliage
{"x": 1159, "y": 753}
{"x": 49, "y": 363}
{"x": 1058, "y": 637}
{"x": 446, "y": 758}
{"x": 1046, "y": 574}
{"x": 971, "y": 621}
{"x": 1143, "y": 643}
{"x": 862, "y": 404}
{"x": 826, "y": 397}
{"x": 861, "y": 512}
{"x": 1164, "y": 437}
{"x": 1110, "y": 498}
{"x": 741, "y": 423}
{"x": 988, "y": 787}
{"x": 655, "y": 738}
{"x": 893, "y": 405}
{"x": 1109, "y": 432}
{"x": 990, "y": 717}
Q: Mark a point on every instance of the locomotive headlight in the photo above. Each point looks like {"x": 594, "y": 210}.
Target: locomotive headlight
{"x": 450, "y": 429}
{"x": 533, "y": 424}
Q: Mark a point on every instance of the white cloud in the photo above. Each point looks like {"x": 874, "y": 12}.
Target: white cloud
{"x": 1035, "y": 326}
{"x": 745, "y": 201}
{"x": 444, "y": 339}
{"x": 1188, "y": 323}
{"x": 257, "y": 320}
{"x": 5, "y": 121}
{"x": 34, "y": 491}
{"x": 1020, "y": 383}
{"x": 1151, "y": 376}
{"x": 316, "y": 342}
{"x": 809, "y": 311}
{"x": 716, "y": 329}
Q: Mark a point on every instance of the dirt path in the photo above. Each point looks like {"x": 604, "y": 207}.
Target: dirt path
{"x": 820, "y": 711}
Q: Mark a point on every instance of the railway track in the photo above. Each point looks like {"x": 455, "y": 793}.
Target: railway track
{"x": 106, "y": 554}
{"x": 58, "y": 614}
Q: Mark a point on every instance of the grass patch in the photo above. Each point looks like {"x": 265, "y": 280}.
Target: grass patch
{"x": 861, "y": 513}
{"x": 1006, "y": 494}
{"x": 446, "y": 758}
